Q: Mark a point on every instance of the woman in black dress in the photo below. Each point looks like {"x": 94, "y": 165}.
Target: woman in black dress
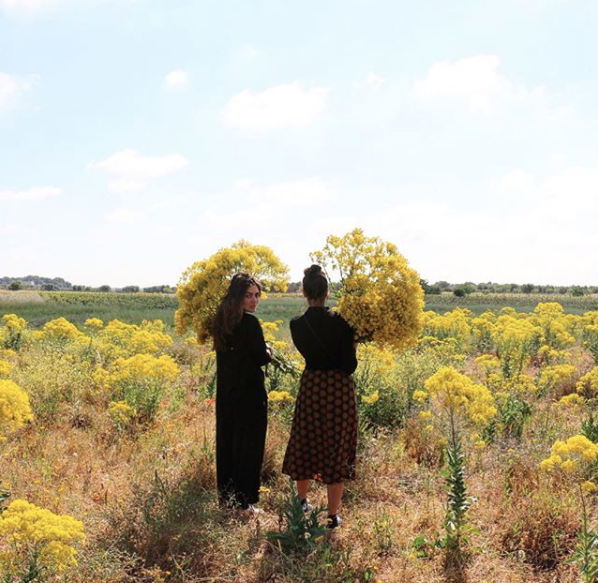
{"x": 323, "y": 438}
{"x": 241, "y": 398}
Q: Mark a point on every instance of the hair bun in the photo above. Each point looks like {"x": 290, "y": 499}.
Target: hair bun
{"x": 312, "y": 270}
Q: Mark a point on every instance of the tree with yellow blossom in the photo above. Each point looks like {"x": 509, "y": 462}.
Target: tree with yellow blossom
{"x": 203, "y": 285}
{"x": 380, "y": 295}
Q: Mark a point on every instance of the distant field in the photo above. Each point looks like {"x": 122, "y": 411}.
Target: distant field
{"x": 480, "y": 302}
{"x": 39, "y": 307}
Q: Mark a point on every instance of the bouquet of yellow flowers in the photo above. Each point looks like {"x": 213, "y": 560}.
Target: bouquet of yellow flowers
{"x": 204, "y": 284}
{"x": 380, "y": 296}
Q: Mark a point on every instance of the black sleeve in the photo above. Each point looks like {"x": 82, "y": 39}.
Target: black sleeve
{"x": 256, "y": 343}
{"x": 348, "y": 356}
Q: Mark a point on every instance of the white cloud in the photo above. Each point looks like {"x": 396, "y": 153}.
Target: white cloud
{"x": 11, "y": 88}
{"x": 478, "y": 84}
{"x": 475, "y": 80}
{"x": 277, "y": 107}
{"x": 177, "y": 78}
{"x": 371, "y": 81}
{"x": 38, "y": 193}
{"x": 132, "y": 170}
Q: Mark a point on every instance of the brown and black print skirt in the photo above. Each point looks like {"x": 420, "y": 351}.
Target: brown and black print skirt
{"x": 323, "y": 439}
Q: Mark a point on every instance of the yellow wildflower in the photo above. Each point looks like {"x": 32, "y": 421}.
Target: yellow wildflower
{"x": 371, "y": 399}
{"x": 33, "y": 531}
{"x": 15, "y": 409}
{"x": 280, "y": 397}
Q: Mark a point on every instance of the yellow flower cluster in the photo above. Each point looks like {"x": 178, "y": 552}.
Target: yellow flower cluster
{"x": 119, "y": 339}
{"x": 59, "y": 329}
{"x": 380, "y": 296}
{"x": 378, "y": 358}
{"x": 141, "y": 368}
{"x": 15, "y": 409}
{"x": 456, "y": 392}
{"x": 520, "y": 383}
{"x": 94, "y": 323}
{"x": 511, "y": 330}
{"x": 548, "y": 354}
{"x": 572, "y": 455}
{"x": 5, "y": 368}
{"x": 14, "y": 323}
{"x": 33, "y": 531}
{"x": 121, "y": 412}
{"x": 204, "y": 284}
{"x": 571, "y": 400}
{"x": 555, "y": 326}
{"x": 280, "y": 397}
{"x": 483, "y": 328}
{"x": 488, "y": 363}
{"x": 588, "y": 384}
{"x": 371, "y": 398}
{"x": 557, "y": 376}
{"x": 270, "y": 329}
{"x": 453, "y": 324}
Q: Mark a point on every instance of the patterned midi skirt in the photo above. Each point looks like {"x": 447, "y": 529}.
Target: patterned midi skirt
{"x": 323, "y": 438}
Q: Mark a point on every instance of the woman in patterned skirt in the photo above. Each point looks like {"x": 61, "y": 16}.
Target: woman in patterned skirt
{"x": 241, "y": 399}
{"x": 323, "y": 438}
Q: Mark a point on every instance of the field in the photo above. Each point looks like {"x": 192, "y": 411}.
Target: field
{"x": 121, "y": 439}
{"x": 39, "y": 307}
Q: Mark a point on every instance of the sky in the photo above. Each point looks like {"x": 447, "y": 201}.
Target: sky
{"x": 137, "y": 137}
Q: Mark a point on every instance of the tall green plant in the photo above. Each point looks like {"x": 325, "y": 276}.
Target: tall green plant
{"x": 302, "y": 531}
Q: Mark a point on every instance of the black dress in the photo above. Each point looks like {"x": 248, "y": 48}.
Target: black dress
{"x": 323, "y": 438}
{"x": 241, "y": 413}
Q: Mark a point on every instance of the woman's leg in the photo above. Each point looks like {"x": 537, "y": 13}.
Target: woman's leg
{"x": 251, "y": 421}
{"x": 224, "y": 453}
{"x": 335, "y": 493}
{"x": 302, "y": 487}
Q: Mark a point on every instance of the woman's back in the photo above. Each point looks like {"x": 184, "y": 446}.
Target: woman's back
{"x": 325, "y": 340}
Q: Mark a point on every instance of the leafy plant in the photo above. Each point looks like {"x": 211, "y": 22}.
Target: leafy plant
{"x": 513, "y": 413}
{"x": 585, "y": 554}
{"x": 458, "y": 502}
{"x": 302, "y": 530}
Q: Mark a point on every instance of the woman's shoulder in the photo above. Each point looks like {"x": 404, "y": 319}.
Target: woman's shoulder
{"x": 249, "y": 321}
{"x": 339, "y": 321}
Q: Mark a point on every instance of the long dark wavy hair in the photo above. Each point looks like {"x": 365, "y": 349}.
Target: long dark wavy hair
{"x": 230, "y": 310}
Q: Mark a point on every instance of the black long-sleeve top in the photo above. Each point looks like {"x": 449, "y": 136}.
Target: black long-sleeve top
{"x": 239, "y": 366}
{"x": 331, "y": 347}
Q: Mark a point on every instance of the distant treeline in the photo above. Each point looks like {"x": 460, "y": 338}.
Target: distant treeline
{"x": 463, "y": 289}
{"x": 37, "y": 283}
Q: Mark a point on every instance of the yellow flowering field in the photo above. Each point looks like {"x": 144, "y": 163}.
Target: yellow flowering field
{"x": 107, "y": 457}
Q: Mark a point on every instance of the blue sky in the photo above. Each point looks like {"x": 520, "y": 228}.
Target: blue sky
{"x": 139, "y": 136}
